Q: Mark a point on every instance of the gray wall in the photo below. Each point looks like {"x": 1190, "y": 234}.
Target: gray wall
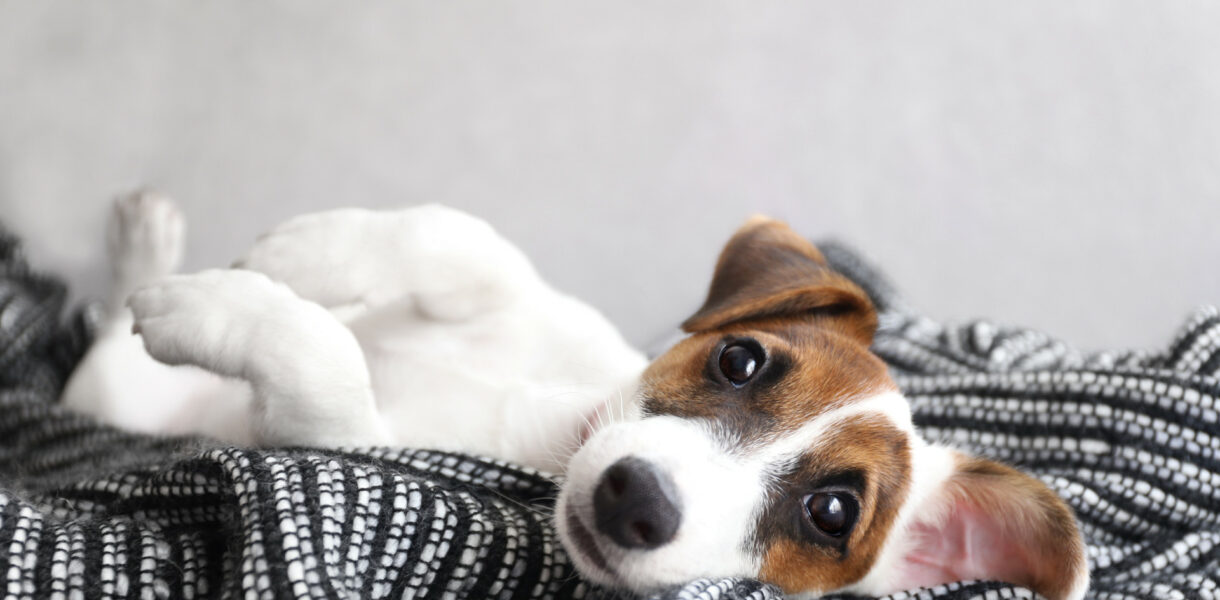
{"x": 1044, "y": 163}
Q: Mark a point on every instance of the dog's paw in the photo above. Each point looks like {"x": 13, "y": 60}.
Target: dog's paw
{"x": 145, "y": 238}
{"x": 438, "y": 259}
{"x": 229, "y": 322}
{"x": 330, "y": 257}
{"x": 310, "y": 383}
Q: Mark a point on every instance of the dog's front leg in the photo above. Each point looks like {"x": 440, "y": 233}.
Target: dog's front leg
{"x": 311, "y": 385}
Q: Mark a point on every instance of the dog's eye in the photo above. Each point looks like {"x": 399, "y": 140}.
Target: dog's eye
{"x": 832, "y": 512}
{"x": 739, "y": 361}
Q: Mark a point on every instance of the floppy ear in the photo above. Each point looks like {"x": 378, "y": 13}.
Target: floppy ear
{"x": 992, "y": 522}
{"x": 767, "y": 271}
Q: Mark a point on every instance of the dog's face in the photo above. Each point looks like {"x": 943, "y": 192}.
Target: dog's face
{"x": 773, "y": 444}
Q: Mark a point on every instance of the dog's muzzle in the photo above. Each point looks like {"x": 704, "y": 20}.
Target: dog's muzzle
{"x": 635, "y": 504}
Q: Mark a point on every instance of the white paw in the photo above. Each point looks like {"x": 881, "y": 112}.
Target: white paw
{"x": 230, "y": 322}
{"x": 145, "y": 237}
{"x": 326, "y": 257}
{"x": 310, "y": 383}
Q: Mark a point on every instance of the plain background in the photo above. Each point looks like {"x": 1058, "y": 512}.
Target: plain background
{"x": 1042, "y": 163}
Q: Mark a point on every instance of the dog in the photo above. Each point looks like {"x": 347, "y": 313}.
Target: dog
{"x": 769, "y": 442}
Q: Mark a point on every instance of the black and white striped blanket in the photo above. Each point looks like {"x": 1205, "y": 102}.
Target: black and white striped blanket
{"x": 1128, "y": 439}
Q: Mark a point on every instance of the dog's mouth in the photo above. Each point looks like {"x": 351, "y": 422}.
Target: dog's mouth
{"x": 584, "y": 543}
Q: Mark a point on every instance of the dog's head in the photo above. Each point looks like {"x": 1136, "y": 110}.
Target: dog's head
{"x": 773, "y": 444}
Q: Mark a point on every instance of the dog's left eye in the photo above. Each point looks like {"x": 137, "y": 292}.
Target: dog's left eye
{"x": 739, "y": 361}
{"x": 832, "y": 512}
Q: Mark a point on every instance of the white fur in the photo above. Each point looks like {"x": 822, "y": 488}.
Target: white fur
{"x": 418, "y": 327}
{"x": 117, "y": 381}
{"x": 891, "y": 405}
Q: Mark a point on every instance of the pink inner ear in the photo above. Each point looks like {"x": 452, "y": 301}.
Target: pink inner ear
{"x": 967, "y": 544}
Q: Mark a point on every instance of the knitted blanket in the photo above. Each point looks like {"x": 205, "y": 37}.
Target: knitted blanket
{"x": 1129, "y": 439}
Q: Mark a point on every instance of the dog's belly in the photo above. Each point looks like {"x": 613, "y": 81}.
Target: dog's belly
{"x": 517, "y": 384}
{"x": 460, "y": 410}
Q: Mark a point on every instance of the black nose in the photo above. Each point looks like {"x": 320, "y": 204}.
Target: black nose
{"x": 635, "y": 504}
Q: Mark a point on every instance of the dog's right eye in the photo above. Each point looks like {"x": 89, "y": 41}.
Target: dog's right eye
{"x": 739, "y": 361}
{"x": 833, "y": 513}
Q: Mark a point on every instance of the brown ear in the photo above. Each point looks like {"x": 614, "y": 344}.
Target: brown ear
{"x": 993, "y": 522}
{"x": 768, "y": 271}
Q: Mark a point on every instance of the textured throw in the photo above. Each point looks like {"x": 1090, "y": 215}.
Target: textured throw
{"x": 1128, "y": 439}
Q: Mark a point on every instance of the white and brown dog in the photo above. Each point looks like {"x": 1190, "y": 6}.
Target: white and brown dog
{"x": 768, "y": 443}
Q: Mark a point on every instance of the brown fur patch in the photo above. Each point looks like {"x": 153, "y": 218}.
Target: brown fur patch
{"x": 767, "y": 270}
{"x": 795, "y": 556}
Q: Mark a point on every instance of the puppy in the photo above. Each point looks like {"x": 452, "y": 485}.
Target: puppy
{"x": 768, "y": 443}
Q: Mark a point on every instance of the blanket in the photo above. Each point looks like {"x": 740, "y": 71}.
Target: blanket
{"x": 1128, "y": 439}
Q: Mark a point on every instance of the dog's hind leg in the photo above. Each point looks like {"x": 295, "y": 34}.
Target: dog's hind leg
{"x": 307, "y": 372}
{"x": 116, "y": 380}
{"x": 145, "y": 239}
{"x": 442, "y": 263}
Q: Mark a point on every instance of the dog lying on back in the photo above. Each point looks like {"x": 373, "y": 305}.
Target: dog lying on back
{"x": 768, "y": 443}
